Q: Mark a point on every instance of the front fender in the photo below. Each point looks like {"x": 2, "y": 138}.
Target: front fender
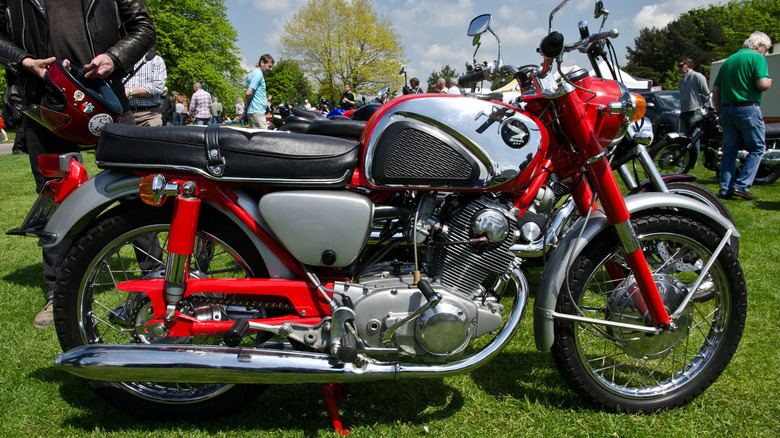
{"x": 87, "y": 202}
{"x": 583, "y": 233}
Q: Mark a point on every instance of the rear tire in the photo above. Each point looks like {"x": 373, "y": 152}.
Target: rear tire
{"x": 672, "y": 155}
{"x": 88, "y": 308}
{"x": 625, "y": 370}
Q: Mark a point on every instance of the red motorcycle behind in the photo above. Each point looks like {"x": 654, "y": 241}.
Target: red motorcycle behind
{"x": 209, "y": 262}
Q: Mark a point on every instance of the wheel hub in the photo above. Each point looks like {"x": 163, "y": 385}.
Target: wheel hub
{"x": 624, "y": 307}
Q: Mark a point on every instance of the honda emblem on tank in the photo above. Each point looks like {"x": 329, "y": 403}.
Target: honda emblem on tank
{"x": 97, "y": 123}
{"x": 515, "y": 133}
{"x": 87, "y": 107}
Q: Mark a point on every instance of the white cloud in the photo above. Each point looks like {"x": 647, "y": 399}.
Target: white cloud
{"x": 660, "y": 14}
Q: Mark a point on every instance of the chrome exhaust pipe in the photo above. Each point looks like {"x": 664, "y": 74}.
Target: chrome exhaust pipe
{"x": 220, "y": 364}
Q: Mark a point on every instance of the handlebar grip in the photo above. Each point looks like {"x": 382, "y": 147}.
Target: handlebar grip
{"x": 552, "y": 45}
{"x": 471, "y": 78}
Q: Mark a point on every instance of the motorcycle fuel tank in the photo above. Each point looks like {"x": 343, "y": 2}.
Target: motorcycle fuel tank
{"x": 451, "y": 142}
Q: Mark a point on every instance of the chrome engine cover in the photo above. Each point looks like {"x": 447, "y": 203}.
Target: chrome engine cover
{"x": 384, "y": 299}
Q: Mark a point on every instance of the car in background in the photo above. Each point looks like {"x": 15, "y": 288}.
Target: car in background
{"x": 663, "y": 109}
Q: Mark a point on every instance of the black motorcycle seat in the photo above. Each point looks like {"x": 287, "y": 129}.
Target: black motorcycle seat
{"x": 280, "y": 158}
{"x": 344, "y": 128}
{"x": 772, "y": 130}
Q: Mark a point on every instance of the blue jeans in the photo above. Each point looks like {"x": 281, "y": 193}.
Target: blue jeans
{"x": 199, "y": 121}
{"x": 743, "y": 128}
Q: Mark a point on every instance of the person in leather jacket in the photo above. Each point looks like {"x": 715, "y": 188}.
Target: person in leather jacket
{"x": 106, "y": 37}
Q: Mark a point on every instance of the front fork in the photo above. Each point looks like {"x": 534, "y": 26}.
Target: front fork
{"x": 583, "y": 133}
{"x": 181, "y": 241}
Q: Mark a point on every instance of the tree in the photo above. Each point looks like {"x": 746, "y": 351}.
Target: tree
{"x": 198, "y": 44}
{"x": 446, "y": 72}
{"x": 287, "y": 83}
{"x": 705, "y": 35}
{"x": 338, "y": 42}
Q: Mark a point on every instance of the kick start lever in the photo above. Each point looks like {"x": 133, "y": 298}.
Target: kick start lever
{"x": 433, "y": 299}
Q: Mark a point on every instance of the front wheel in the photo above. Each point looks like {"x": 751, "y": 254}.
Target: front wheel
{"x": 129, "y": 243}
{"x": 703, "y": 194}
{"x": 673, "y": 155}
{"x": 627, "y": 370}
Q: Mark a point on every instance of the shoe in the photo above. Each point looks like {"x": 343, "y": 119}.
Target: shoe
{"x": 743, "y": 194}
{"x": 726, "y": 195}
{"x": 45, "y": 318}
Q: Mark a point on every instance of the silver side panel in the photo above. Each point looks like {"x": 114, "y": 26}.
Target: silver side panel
{"x": 310, "y": 223}
{"x": 576, "y": 239}
{"x": 89, "y": 200}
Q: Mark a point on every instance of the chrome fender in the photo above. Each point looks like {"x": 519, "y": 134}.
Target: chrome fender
{"x": 583, "y": 233}
{"x": 88, "y": 201}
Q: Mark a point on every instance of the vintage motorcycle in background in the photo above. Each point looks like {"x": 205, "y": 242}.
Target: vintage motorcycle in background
{"x": 678, "y": 152}
{"x": 231, "y": 259}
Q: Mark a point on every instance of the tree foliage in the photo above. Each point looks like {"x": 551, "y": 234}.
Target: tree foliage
{"x": 339, "y": 42}
{"x": 705, "y": 35}
{"x": 198, "y": 44}
{"x": 287, "y": 83}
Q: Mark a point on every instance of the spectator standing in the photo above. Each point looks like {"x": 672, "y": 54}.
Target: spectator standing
{"x": 694, "y": 93}
{"x": 256, "y": 99}
{"x": 306, "y": 105}
{"x": 240, "y": 111}
{"x": 415, "y": 84}
{"x": 348, "y": 98}
{"x": 144, "y": 86}
{"x": 440, "y": 86}
{"x": 168, "y": 107}
{"x": 200, "y": 105}
{"x": 108, "y": 42}
{"x": 216, "y": 111}
{"x": 453, "y": 88}
{"x": 2, "y": 129}
{"x": 741, "y": 80}
{"x": 178, "y": 115}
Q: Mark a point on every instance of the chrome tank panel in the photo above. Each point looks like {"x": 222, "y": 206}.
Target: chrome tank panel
{"x": 319, "y": 227}
{"x": 451, "y": 142}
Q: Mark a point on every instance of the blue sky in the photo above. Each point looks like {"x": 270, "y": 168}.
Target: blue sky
{"x": 433, "y": 32}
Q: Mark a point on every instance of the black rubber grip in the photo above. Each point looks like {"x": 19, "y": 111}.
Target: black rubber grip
{"x": 471, "y": 78}
{"x": 552, "y": 45}
{"x": 348, "y": 350}
{"x": 236, "y": 333}
{"x": 426, "y": 289}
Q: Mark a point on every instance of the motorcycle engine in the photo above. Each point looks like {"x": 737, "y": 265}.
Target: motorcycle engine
{"x": 385, "y": 297}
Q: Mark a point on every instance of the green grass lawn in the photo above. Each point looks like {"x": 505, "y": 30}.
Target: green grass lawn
{"x": 517, "y": 394}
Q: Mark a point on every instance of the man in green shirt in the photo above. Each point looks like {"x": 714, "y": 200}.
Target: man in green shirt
{"x": 737, "y": 98}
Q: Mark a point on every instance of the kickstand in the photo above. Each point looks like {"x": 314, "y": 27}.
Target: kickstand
{"x": 333, "y": 394}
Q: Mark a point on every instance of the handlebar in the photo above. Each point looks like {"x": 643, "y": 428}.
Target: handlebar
{"x": 471, "y": 78}
{"x": 591, "y": 39}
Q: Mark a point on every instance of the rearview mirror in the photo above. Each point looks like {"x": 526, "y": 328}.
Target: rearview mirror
{"x": 479, "y": 25}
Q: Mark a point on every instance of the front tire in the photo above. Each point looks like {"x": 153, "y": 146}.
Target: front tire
{"x": 129, "y": 243}
{"x": 625, "y": 370}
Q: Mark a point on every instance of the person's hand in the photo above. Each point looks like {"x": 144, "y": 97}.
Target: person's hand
{"x": 100, "y": 67}
{"x": 38, "y": 67}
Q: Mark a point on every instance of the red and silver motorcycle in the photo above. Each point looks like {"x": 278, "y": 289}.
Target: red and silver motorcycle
{"x": 210, "y": 262}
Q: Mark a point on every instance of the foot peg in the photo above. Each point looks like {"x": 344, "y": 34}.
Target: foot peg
{"x": 236, "y": 333}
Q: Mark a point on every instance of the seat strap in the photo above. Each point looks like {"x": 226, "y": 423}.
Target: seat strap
{"x": 215, "y": 162}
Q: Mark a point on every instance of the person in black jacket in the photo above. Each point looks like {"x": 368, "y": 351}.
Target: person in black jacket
{"x": 106, "y": 37}
{"x": 168, "y": 107}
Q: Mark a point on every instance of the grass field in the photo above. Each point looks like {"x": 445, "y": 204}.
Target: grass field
{"x": 517, "y": 394}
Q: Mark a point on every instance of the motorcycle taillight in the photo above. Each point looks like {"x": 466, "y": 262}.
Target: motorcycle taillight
{"x": 57, "y": 165}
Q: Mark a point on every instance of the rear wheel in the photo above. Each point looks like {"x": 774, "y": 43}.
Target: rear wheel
{"x": 129, "y": 244}
{"x": 628, "y": 370}
{"x": 673, "y": 155}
